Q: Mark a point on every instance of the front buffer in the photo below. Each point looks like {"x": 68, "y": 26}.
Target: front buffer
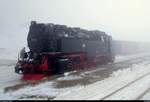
{"x": 32, "y": 70}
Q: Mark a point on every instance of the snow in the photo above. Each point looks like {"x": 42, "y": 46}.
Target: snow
{"x": 146, "y": 96}
{"x": 91, "y": 71}
{"x": 8, "y": 77}
{"x": 68, "y": 73}
{"x": 118, "y": 79}
{"x": 132, "y": 92}
{"x": 71, "y": 77}
{"x": 68, "y": 76}
{"x": 44, "y": 89}
{"x": 27, "y": 91}
{"x": 8, "y": 58}
{"x": 120, "y": 58}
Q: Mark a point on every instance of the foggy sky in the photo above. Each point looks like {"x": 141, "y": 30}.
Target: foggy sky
{"x": 123, "y": 19}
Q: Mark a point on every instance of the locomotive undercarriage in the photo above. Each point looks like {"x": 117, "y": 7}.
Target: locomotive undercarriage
{"x": 47, "y": 64}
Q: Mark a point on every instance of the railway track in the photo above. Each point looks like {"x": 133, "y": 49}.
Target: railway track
{"x": 136, "y": 87}
{"x": 128, "y": 85}
{"x": 143, "y": 93}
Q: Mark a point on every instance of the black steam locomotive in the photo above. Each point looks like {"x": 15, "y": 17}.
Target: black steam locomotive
{"x": 55, "y": 49}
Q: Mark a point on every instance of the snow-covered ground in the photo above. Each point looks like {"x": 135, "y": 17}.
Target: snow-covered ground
{"x": 48, "y": 90}
{"x": 120, "y": 58}
{"x": 8, "y": 77}
{"x": 8, "y": 58}
{"x": 146, "y": 96}
{"x": 117, "y": 80}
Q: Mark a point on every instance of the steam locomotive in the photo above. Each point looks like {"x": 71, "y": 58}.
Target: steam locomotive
{"x": 55, "y": 49}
